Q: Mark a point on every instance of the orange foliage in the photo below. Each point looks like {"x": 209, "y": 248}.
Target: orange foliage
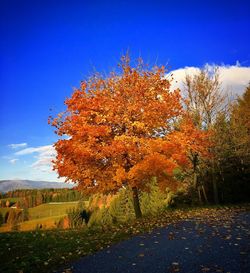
{"x": 121, "y": 130}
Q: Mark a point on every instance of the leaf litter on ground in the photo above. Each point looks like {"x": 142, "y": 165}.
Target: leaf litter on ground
{"x": 50, "y": 246}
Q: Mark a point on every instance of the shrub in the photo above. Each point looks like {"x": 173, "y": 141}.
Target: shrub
{"x": 60, "y": 223}
{"x": 15, "y": 226}
{"x": 100, "y": 217}
{"x": 25, "y": 214}
{"x": 76, "y": 218}
{"x": 38, "y": 227}
{"x": 182, "y": 198}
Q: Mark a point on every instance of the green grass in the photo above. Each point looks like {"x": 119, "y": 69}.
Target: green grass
{"x": 43, "y": 251}
{"x": 45, "y": 215}
{"x": 46, "y": 222}
{"x": 46, "y": 251}
{"x": 50, "y": 209}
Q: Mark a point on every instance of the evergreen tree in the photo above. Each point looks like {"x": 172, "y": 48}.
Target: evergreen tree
{"x": 121, "y": 207}
{"x": 14, "y": 216}
{"x": 75, "y": 218}
{"x": 155, "y": 200}
{"x": 25, "y": 214}
{"x": 1, "y": 219}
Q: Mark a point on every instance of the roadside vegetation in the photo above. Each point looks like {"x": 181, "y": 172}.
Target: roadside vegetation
{"x": 166, "y": 158}
{"x": 46, "y": 251}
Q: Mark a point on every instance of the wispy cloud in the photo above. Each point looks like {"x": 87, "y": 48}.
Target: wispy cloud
{"x": 34, "y": 163}
{"x": 43, "y": 156}
{"x": 43, "y": 164}
{"x": 18, "y": 145}
{"x": 45, "y": 150}
{"x": 13, "y": 161}
{"x": 234, "y": 78}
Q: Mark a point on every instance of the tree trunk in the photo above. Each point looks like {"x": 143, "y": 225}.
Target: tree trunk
{"x": 136, "y": 202}
{"x": 204, "y": 194}
{"x": 195, "y": 180}
{"x": 215, "y": 190}
{"x": 196, "y": 186}
{"x": 199, "y": 194}
{"x": 215, "y": 187}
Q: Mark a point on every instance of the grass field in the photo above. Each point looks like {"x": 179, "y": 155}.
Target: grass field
{"x": 46, "y": 222}
{"x": 46, "y": 215}
{"x": 51, "y": 209}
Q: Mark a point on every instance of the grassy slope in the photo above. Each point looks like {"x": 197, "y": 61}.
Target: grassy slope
{"x": 51, "y": 209}
{"x": 43, "y": 251}
{"x": 45, "y": 215}
{"x": 46, "y": 222}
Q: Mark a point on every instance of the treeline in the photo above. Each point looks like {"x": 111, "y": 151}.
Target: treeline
{"x": 223, "y": 177}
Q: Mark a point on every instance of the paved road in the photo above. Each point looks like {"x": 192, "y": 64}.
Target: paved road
{"x": 189, "y": 246}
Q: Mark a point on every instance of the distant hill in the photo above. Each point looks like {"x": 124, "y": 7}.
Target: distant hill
{"x": 9, "y": 185}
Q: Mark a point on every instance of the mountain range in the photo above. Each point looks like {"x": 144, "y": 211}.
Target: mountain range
{"x": 9, "y": 185}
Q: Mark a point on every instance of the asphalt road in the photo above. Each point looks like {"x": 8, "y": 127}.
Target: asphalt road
{"x": 189, "y": 246}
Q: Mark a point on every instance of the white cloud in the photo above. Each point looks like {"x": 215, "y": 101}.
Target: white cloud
{"x": 233, "y": 78}
{"x": 36, "y": 164}
{"x": 43, "y": 156}
{"x": 43, "y": 164}
{"x": 13, "y": 161}
{"x": 18, "y": 145}
{"x": 45, "y": 150}
{"x": 42, "y": 161}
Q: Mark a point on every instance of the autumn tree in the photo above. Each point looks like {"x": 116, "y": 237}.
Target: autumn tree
{"x": 119, "y": 131}
{"x": 204, "y": 96}
{"x": 204, "y": 101}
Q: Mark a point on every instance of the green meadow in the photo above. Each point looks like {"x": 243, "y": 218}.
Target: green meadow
{"x": 51, "y": 209}
{"x": 45, "y": 215}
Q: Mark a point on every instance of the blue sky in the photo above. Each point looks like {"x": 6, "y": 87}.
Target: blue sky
{"x": 48, "y": 47}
